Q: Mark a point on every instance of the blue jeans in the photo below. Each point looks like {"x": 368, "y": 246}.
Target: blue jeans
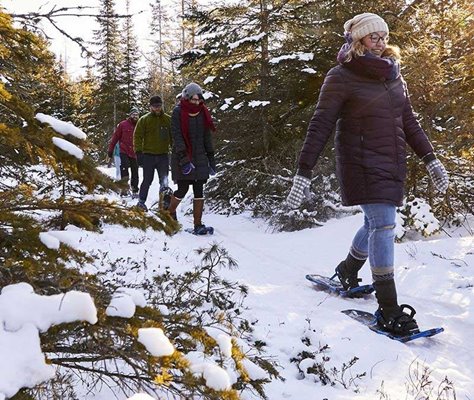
{"x": 376, "y": 238}
{"x": 152, "y": 162}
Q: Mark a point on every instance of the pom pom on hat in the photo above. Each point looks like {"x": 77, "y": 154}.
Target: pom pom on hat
{"x": 364, "y": 24}
{"x": 191, "y": 90}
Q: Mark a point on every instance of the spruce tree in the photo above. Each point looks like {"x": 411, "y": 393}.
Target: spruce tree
{"x": 109, "y": 62}
{"x": 129, "y": 74}
{"x": 162, "y": 74}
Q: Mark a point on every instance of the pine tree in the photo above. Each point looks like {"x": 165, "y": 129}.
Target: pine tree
{"x": 254, "y": 63}
{"x": 162, "y": 75}
{"x": 84, "y": 90}
{"x": 439, "y": 70}
{"x": 109, "y": 62}
{"x": 129, "y": 73}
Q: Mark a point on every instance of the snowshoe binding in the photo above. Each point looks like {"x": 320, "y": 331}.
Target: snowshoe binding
{"x": 349, "y": 281}
{"x": 400, "y": 323}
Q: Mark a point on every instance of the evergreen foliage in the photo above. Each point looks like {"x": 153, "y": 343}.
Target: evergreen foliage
{"x": 110, "y": 98}
{"x": 439, "y": 63}
{"x": 45, "y": 188}
{"x": 162, "y": 74}
{"x": 187, "y": 307}
{"x": 131, "y": 57}
{"x": 42, "y": 186}
{"x": 264, "y": 63}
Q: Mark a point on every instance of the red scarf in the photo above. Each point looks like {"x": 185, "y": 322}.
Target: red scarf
{"x": 190, "y": 108}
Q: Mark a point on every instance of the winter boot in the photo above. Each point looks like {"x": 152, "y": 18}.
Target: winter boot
{"x": 174, "y": 203}
{"x": 390, "y": 316}
{"x": 199, "y": 227}
{"x": 347, "y": 271}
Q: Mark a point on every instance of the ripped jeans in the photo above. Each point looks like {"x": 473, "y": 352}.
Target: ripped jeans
{"x": 376, "y": 238}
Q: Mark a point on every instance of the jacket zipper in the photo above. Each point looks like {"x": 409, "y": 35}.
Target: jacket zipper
{"x": 393, "y": 124}
{"x": 363, "y": 165}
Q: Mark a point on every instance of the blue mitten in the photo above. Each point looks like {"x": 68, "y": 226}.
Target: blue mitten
{"x": 187, "y": 168}
{"x": 299, "y": 191}
{"x": 212, "y": 164}
{"x": 438, "y": 175}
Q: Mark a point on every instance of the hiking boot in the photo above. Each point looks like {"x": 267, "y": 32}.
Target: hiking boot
{"x": 141, "y": 205}
{"x": 399, "y": 322}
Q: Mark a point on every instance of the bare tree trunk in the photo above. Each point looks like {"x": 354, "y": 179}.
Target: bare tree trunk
{"x": 264, "y": 74}
{"x": 160, "y": 47}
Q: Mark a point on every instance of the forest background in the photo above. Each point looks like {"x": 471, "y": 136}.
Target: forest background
{"x": 262, "y": 64}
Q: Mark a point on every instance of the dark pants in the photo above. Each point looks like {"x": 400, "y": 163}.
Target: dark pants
{"x": 183, "y": 187}
{"x": 127, "y": 162}
{"x": 152, "y": 162}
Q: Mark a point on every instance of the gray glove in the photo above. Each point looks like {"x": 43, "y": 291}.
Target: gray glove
{"x": 299, "y": 191}
{"x": 438, "y": 175}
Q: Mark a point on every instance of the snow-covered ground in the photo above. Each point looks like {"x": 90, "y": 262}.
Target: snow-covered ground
{"x": 435, "y": 276}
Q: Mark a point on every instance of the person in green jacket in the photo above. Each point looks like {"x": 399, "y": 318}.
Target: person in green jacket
{"x": 152, "y": 142}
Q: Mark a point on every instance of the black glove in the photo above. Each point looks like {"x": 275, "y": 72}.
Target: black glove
{"x": 110, "y": 154}
{"x": 212, "y": 164}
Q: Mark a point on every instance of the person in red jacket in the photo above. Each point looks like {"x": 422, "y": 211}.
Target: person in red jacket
{"x": 128, "y": 160}
{"x": 366, "y": 99}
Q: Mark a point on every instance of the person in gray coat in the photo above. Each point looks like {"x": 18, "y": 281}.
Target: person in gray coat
{"x": 192, "y": 155}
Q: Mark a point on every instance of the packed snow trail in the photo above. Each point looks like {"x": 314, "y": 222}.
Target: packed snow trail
{"x": 287, "y": 308}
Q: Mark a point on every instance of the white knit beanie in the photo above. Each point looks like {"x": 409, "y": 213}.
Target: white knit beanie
{"x": 363, "y": 24}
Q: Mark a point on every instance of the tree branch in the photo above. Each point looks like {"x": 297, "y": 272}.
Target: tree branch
{"x": 54, "y": 13}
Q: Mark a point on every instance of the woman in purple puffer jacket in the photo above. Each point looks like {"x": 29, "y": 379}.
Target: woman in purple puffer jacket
{"x": 366, "y": 99}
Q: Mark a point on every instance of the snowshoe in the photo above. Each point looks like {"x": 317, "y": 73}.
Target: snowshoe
{"x": 201, "y": 230}
{"x": 370, "y": 320}
{"x": 332, "y": 285}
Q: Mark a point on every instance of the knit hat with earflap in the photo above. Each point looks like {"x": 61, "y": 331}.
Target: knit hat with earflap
{"x": 191, "y": 90}
{"x": 364, "y": 24}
